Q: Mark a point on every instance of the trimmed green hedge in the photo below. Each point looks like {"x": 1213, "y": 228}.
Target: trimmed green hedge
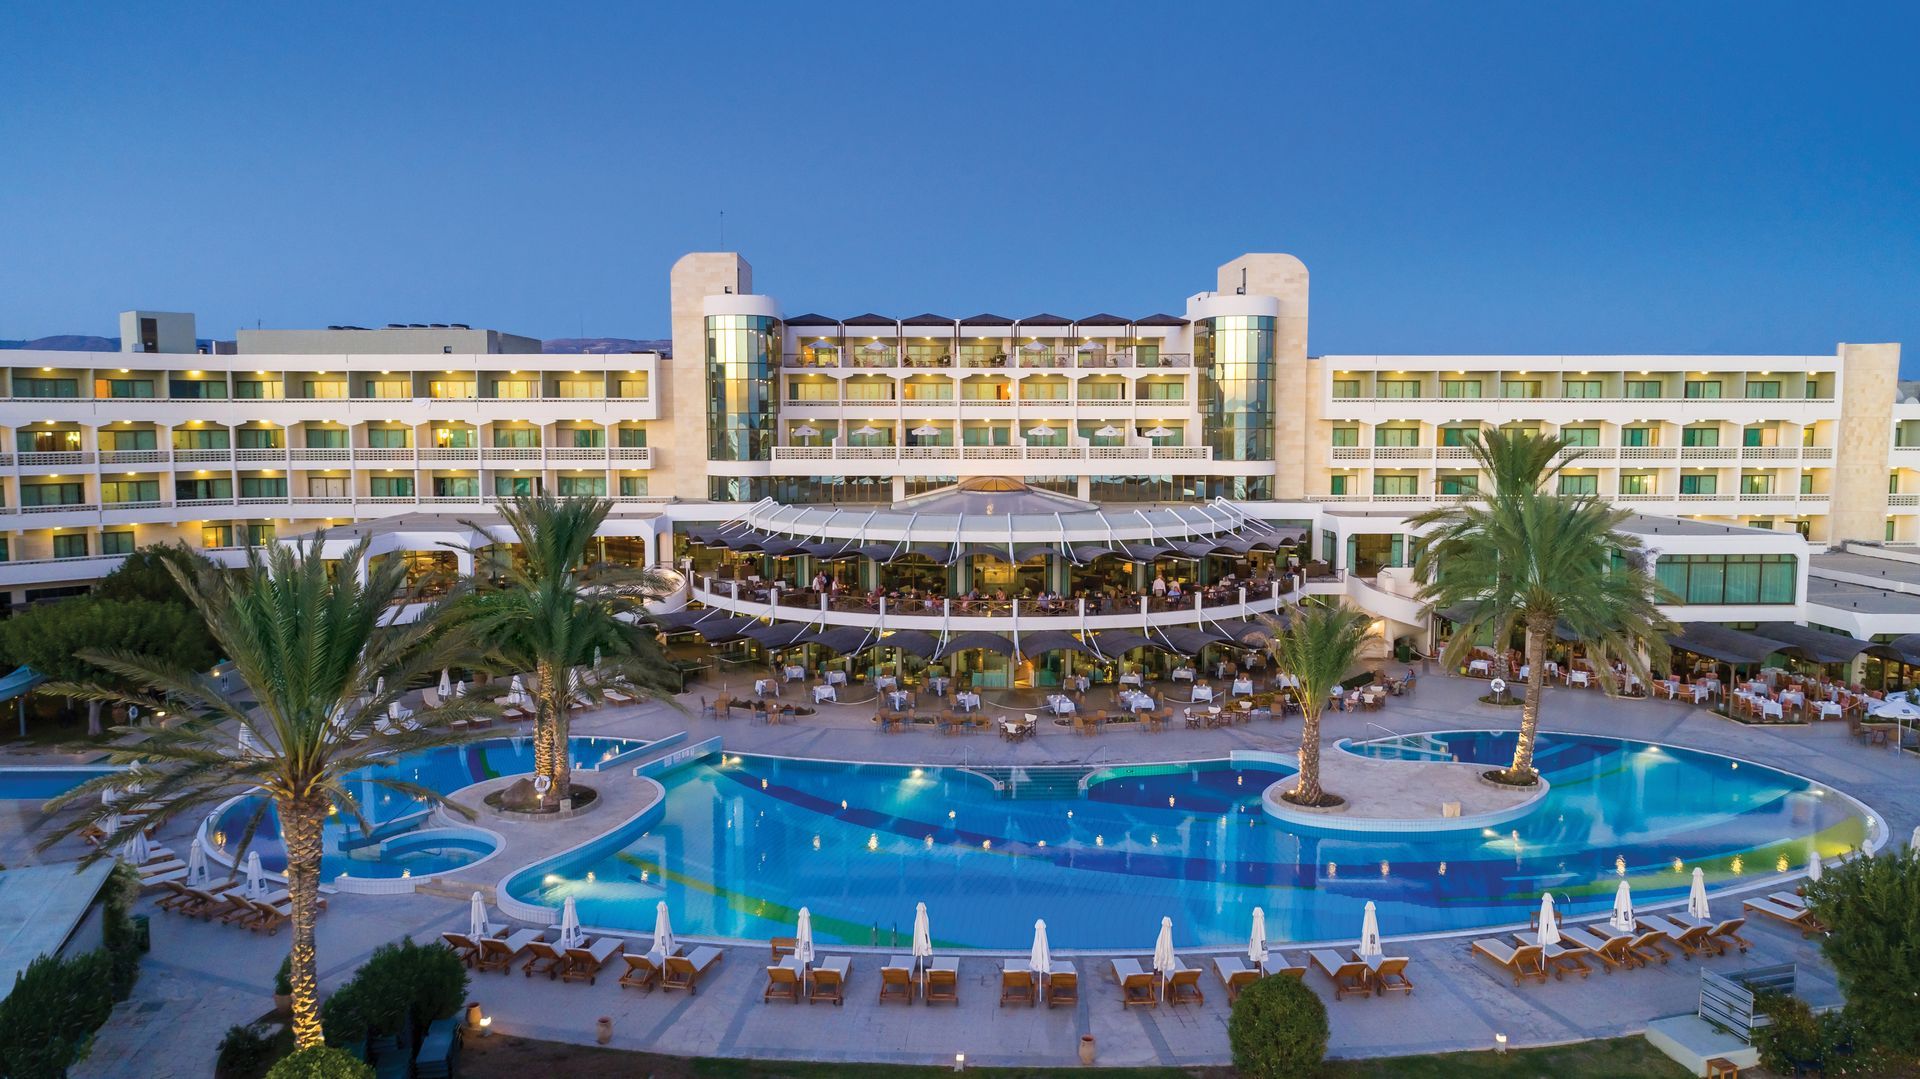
{"x": 48, "y": 1020}
{"x": 320, "y": 1062}
{"x": 1278, "y": 1030}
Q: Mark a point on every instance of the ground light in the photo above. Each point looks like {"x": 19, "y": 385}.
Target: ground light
{"x": 1499, "y": 1043}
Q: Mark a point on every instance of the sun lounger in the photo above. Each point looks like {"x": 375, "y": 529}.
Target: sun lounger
{"x": 783, "y": 983}
{"x": 1347, "y": 975}
{"x": 642, "y": 972}
{"x": 1798, "y": 917}
{"x": 498, "y": 954}
{"x": 896, "y": 980}
{"x": 544, "y": 957}
{"x": 209, "y": 900}
{"x": 780, "y": 947}
{"x": 830, "y": 980}
{"x": 1183, "y": 985}
{"x": 684, "y": 971}
{"x": 617, "y": 697}
{"x": 1690, "y": 938}
{"x": 1278, "y": 964}
{"x": 1062, "y": 984}
{"x": 269, "y": 916}
{"x": 1525, "y": 962}
{"x": 177, "y": 872}
{"x": 942, "y": 981}
{"x": 1647, "y": 946}
{"x": 1391, "y": 976}
{"x": 1235, "y": 974}
{"x": 1602, "y": 943}
{"x": 1789, "y": 899}
{"x": 236, "y": 909}
{"x": 1017, "y": 987}
{"x": 1727, "y": 931}
{"x": 463, "y": 946}
{"x": 1136, "y": 984}
{"x": 584, "y": 962}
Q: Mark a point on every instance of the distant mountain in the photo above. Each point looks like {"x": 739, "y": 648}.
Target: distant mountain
{"x": 68, "y": 342}
{"x": 605, "y": 344}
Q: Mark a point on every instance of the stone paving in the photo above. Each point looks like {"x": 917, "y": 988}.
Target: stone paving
{"x": 202, "y": 977}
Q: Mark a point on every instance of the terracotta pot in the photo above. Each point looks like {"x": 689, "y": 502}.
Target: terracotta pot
{"x": 283, "y": 1004}
{"x": 1086, "y": 1049}
{"x": 603, "y": 1030}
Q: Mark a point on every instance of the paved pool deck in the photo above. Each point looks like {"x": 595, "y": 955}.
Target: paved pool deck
{"x": 201, "y": 977}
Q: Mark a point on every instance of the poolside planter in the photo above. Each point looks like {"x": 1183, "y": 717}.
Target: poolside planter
{"x": 1086, "y": 1049}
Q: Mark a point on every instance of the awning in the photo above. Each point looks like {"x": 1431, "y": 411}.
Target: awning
{"x": 779, "y": 635}
{"x": 941, "y": 553}
{"x": 832, "y": 548}
{"x": 879, "y": 552}
{"x": 22, "y": 680}
{"x": 725, "y": 628}
{"x": 979, "y": 638}
{"x": 679, "y": 620}
{"x": 1189, "y": 641}
{"x": 844, "y": 640}
{"x": 1904, "y": 649}
{"x": 928, "y": 319}
{"x": 1721, "y": 643}
{"x": 1812, "y": 644}
{"x": 913, "y": 641}
{"x": 1084, "y": 553}
{"x": 1248, "y": 634}
{"x": 781, "y": 547}
{"x": 1114, "y": 643}
{"x": 1053, "y": 640}
{"x": 1102, "y": 319}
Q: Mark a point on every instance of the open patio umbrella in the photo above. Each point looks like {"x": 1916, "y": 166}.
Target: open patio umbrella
{"x": 1370, "y": 934}
{"x": 867, "y": 431}
{"x": 197, "y": 873}
{"x": 1109, "y": 431}
{"x": 1157, "y": 432}
{"x": 1623, "y": 919}
{"x": 805, "y": 431}
{"x": 516, "y": 691}
{"x": 1549, "y": 928}
{"x": 446, "y": 683}
{"x": 925, "y": 431}
{"x": 1895, "y": 708}
{"x": 477, "y": 916}
{"x": 873, "y": 346}
{"x": 569, "y": 924}
{"x": 1042, "y": 431}
{"x": 1697, "y": 896}
{"x": 1088, "y": 346}
{"x": 1040, "y": 960}
{"x": 1813, "y": 866}
{"x": 1164, "y": 961}
{"x": 803, "y": 938}
{"x": 256, "y": 876}
{"x": 922, "y": 936}
{"x": 1033, "y": 346}
{"x": 662, "y": 932}
{"x": 1257, "y": 942}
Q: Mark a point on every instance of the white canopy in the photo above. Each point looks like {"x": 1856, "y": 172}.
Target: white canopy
{"x": 446, "y": 683}
{"x": 1894, "y": 708}
{"x": 803, "y": 939}
{"x": 477, "y": 916}
{"x": 662, "y": 931}
{"x": 1040, "y": 960}
{"x": 1257, "y": 942}
{"x": 256, "y": 876}
{"x": 1042, "y": 431}
{"x": 569, "y": 924}
{"x": 806, "y": 431}
{"x": 1549, "y": 928}
{"x": 925, "y": 430}
{"x": 867, "y": 431}
{"x": 1109, "y": 431}
{"x": 1164, "y": 962}
{"x": 922, "y": 934}
{"x": 1156, "y": 432}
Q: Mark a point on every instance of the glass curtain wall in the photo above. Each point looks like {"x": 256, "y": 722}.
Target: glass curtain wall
{"x": 1234, "y": 355}
{"x": 742, "y": 351}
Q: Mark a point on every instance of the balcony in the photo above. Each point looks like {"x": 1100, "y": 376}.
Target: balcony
{"x": 993, "y": 453}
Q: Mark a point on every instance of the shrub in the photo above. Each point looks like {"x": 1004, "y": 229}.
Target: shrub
{"x": 1278, "y": 1030}
{"x": 116, "y": 929}
{"x": 1798, "y": 1042}
{"x": 246, "y": 1049}
{"x": 404, "y": 979}
{"x": 343, "y": 1016}
{"x": 320, "y": 1062}
{"x": 283, "y": 978}
{"x": 54, "y": 1008}
{"x": 1872, "y": 906}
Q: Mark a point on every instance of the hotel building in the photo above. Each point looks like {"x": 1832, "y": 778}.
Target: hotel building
{"x": 1037, "y": 453}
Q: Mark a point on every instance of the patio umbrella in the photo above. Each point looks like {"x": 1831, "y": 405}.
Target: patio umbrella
{"x": 922, "y": 935}
{"x": 1914, "y": 842}
{"x": 1042, "y": 431}
{"x": 1257, "y": 943}
{"x": 1623, "y": 919}
{"x": 805, "y": 431}
{"x": 662, "y": 931}
{"x": 516, "y": 691}
{"x": 1034, "y": 346}
{"x": 1109, "y": 431}
{"x": 803, "y": 939}
{"x": 1164, "y": 962}
{"x": 110, "y": 823}
{"x": 256, "y": 876}
{"x": 1813, "y": 866}
{"x": 197, "y": 873}
{"x": 109, "y": 795}
{"x": 380, "y": 686}
{"x": 1549, "y": 927}
{"x": 1894, "y": 708}
{"x": 569, "y": 924}
{"x": 1088, "y": 346}
{"x": 135, "y": 850}
{"x": 1040, "y": 961}
{"x": 873, "y": 346}
{"x": 1156, "y": 432}
{"x": 446, "y": 683}
{"x": 246, "y": 740}
{"x": 1370, "y": 934}
{"x": 460, "y": 688}
{"x": 1697, "y": 896}
{"x": 395, "y": 710}
{"x": 477, "y": 916}
{"x": 596, "y": 657}
{"x": 925, "y": 431}
{"x": 865, "y": 432}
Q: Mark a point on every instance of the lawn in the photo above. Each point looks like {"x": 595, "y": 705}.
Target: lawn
{"x": 516, "y": 1058}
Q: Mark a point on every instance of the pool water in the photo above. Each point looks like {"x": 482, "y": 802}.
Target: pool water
{"x": 391, "y": 815}
{"x": 41, "y": 784}
{"x": 743, "y": 842}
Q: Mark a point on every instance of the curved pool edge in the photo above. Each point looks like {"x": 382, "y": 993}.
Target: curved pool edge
{"x": 515, "y": 907}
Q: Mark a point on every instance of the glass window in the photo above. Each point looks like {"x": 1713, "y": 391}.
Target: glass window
{"x": 1700, "y": 436}
{"x": 450, "y": 388}
{"x": 260, "y": 438}
{"x": 579, "y": 387}
{"x": 202, "y": 389}
{"x": 1459, "y": 485}
{"x": 1703, "y": 389}
{"x": 324, "y": 389}
{"x": 201, "y": 490}
{"x": 633, "y": 438}
{"x": 1756, "y": 483}
{"x": 389, "y": 438}
{"x": 46, "y": 387}
{"x": 1696, "y": 484}
{"x": 1643, "y": 388}
{"x": 1459, "y": 436}
{"x": 1395, "y": 485}
{"x": 47, "y": 441}
{"x": 454, "y": 438}
{"x": 514, "y": 486}
{"x": 127, "y": 441}
{"x": 326, "y": 438}
{"x": 741, "y": 355}
{"x": 1337, "y": 485}
{"x": 1163, "y": 391}
{"x": 583, "y": 486}
{"x": 1580, "y": 436}
{"x": 1580, "y": 387}
{"x": 1396, "y": 436}
{"x": 128, "y": 387}
{"x": 1346, "y": 387}
{"x": 1763, "y": 389}
{"x": 1520, "y": 387}
{"x": 1346, "y": 436}
{"x": 1719, "y": 578}
{"x": 117, "y": 491}
{"x": 1460, "y": 388}
{"x": 1400, "y": 388}
{"x": 119, "y": 541}
{"x": 70, "y": 545}
{"x": 327, "y": 487}
{"x": 1636, "y": 484}
{"x": 456, "y": 487}
{"x": 389, "y": 387}
{"x": 516, "y": 437}
{"x": 633, "y": 387}
{"x": 52, "y": 494}
{"x": 391, "y": 487}
{"x": 263, "y": 487}
{"x": 1579, "y": 485}
{"x": 259, "y": 390}
{"x": 1753, "y": 436}
{"x": 1639, "y": 436}
{"x": 202, "y": 438}
{"x": 514, "y": 388}
{"x": 581, "y": 438}
{"x": 633, "y": 487}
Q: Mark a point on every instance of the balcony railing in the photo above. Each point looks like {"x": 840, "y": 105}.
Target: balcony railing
{"x": 993, "y": 453}
{"x": 865, "y": 357}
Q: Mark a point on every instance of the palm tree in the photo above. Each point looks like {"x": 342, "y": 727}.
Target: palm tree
{"x": 1547, "y": 564}
{"x": 1318, "y": 646}
{"x": 317, "y": 663}
{"x": 554, "y": 609}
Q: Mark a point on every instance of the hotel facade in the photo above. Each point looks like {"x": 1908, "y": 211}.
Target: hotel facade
{"x": 997, "y": 455}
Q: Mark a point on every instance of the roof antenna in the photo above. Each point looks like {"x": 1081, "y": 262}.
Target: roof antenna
{"x": 1242, "y": 290}
{"x": 723, "y": 230}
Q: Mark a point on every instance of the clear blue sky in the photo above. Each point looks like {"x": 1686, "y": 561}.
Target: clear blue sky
{"x": 1498, "y": 177}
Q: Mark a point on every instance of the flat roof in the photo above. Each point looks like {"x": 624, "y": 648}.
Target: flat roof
{"x": 1859, "y": 597}
{"x": 1646, "y": 524}
{"x": 1895, "y": 571}
{"x": 40, "y": 907}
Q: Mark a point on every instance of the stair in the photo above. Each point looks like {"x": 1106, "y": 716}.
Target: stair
{"x": 1054, "y": 782}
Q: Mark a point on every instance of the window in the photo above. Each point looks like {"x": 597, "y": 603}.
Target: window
{"x": 127, "y": 441}
{"x": 858, "y": 391}
{"x": 46, "y": 387}
{"x": 450, "y": 388}
{"x": 1043, "y": 391}
{"x": 1395, "y": 485}
{"x": 1346, "y": 387}
{"x": 326, "y": 438}
{"x": 260, "y": 438}
{"x": 1753, "y": 436}
{"x": 116, "y": 491}
{"x": 388, "y": 387}
{"x": 247, "y": 535}
{"x": 52, "y": 494}
{"x": 202, "y": 438}
{"x": 263, "y": 487}
{"x": 389, "y": 438}
{"x": 1520, "y": 387}
{"x": 579, "y": 387}
{"x": 1165, "y": 391}
{"x": 327, "y": 389}
{"x": 1637, "y": 484}
{"x": 1580, "y": 387}
{"x": 1396, "y": 436}
{"x": 1806, "y": 484}
{"x": 70, "y": 545}
{"x": 514, "y": 486}
{"x": 391, "y": 487}
{"x": 583, "y": 486}
{"x": 633, "y": 438}
{"x": 634, "y": 387}
{"x": 454, "y": 438}
{"x": 191, "y": 490}
{"x": 1639, "y": 436}
{"x": 1089, "y": 391}
{"x": 1756, "y": 483}
{"x": 456, "y": 487}
{"x": 127, "y": 387}
{"x": 1580, "y": 436}
{"x": 1459, "y": 436}
{"x": 1722, "y": 578}
{"x": 119, "y": 541}
{"x": 258, "y": 390}
{"x": 1399, "y": 387}
{"x": 1346, "y": 436}
{"x": 581, "y": 438}
{"x": 1700, "y": 436}
{"x": 1764, "y": 389}
{"x": 192, "y": 389}
{"x": 516, "y": 388}
{"x": 519, "y": 438}
{"x": 1337, "y": 485}
{"x": 327, "y": 487}
{"x": 1579, "y": 485}
{"x": 633, "y": 487}
{"x": 1697, "y": 484}
{"x": 1643, "y": 388}
{"x": 1460, "y": 388}
{"x": 1459, "y": 485}
{"x": 47, "y": 441}
{"x": 1703, "y": 389}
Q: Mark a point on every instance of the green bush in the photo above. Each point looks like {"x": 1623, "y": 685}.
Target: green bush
{"x": 246, "y": 1049}
{"x": 116, "y": 929}
{"x": 1278, "y": 1030}
{"x": 283, "y": 978}
{"x": 1872, "y": 907}
{"x": 54, "y": 1008}
{"x": 402, "y": 981}
{"x": 343, "y": 1016}
{"x": 320, "y": 1062}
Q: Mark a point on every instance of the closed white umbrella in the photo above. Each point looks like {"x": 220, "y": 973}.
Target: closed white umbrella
{"x": 1040, "y": 960}
{"x": 922, "y": 935}
{"x": 1164, "y": 962}
{"x": 1257, "y": 942}
{"x": 1549, "y": 928}
{"x": 246, "y": 740}
{"x": 1370, "y": 934}
{"x": 197, "y": 873}
{"x": 256, "y": 876}
{"x": 596, "y": 657}
{"x": 136, "y": 850}
{"x": 446, "y": 683}
{"x": 803, "y": 939}
{"x": 395, "y": 710}
{"x": 1623, "y": 919}
{"x": 569, "y": 924}
{"x": 516, "y": 691}
{"x": 1914, "y": 842}
{"x": 1813, "y": 866}
{"x": 1697, "y": 896}
{"x": 380, "y": 686}
{"x": 477, "y": 916}
{"x": 662, "y": 931}
{"x": 110, "y": 824}
{"x": 460, "y": 688}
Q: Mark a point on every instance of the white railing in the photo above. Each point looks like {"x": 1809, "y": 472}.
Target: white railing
{"x": 724, "y": 595}
{"x": 993, "y": 453}
{"x": 76, "y": 457}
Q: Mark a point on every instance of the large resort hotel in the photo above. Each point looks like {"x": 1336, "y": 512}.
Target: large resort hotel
{"x": 972, "y": 612}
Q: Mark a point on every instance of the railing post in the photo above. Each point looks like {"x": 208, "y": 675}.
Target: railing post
{"x": 736, "y": 590}
{"x": 773, "y": 600}
{"x": 1243, "y": 596}
{"x": 1143, "y": 607}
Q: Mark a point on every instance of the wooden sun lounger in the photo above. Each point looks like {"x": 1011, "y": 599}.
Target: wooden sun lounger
{"x": 1602, "y": 943}
{"x": 779, "y": 948}
{"x": 830, "y": 980}
{"x": 1690, "y": 938}
{"x": 236, "y": 909}
{"x": 208, "y": 901}
{"x": 1727, "y": 931}
{"x": 942, "y": 982}
{"x": 1062, "y": 985}
{"x": 1235, "y": 974}
{"x": 1136, "y": 984}
{"x": 896, "y": 980}
{"x": 684, "y": 971}
{"x": 498, "y": 954}
{"x": 1798, "y": 917}
{"x": 1017, "y": 987}
{"x": 1391, "y": 976}
{"x": 163, "y": 878}
{"x": 1646, "y": 946}
{"x": 1277, "y": 964}
{"x": 584, "y": 963}
{"x": 641, "y": 972}
{"x": 463, "y": 946}
{"x": 1347, "y": 975}
{"x": 783, "y": 983}
{"x": 545, "y": 957}
{"x": 1183, "y": 985}
{"x": 1525, "y": 962}
{"x": 269, "y": 916}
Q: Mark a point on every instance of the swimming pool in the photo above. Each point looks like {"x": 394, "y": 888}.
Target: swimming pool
{"x": 743, "y": 842}
{"x": 41, "y": 784}
{"x": 393, "y": 848}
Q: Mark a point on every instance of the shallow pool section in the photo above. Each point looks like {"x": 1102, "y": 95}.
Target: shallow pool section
{"x": 743, "y": 842}
{"x": 398, "y": 843}
{"x": 40, "y": 784}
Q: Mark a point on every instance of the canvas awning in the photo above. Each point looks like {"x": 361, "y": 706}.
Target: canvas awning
{"x": 1053, "y": 640}
{"x": 912, "y": 641}
{"x": 779, "y": 635}
{"x": 1721, "y": 643}
{"x": 1814, "y": 645}
{"x": 979, "y": 638}
{"x": 1114, "y": 643}
{"x": 724, "y": 628}
{"x": 1190, "y": 641}
{"x": 844, "y": 640}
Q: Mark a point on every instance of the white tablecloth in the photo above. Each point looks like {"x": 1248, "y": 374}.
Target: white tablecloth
{"x": 836, "y": 678}
{"x": 1182, "y": 674}
{"x": 1139, "y": 702}
{"x": 763, "y": 686}
{"x": 967, "y": 701}
{"x": 1062, "y": 706}
{"x": 795, "y": 672}
{"x": 1131, "y": 678}
{"x": 1828, "y": 708}
{"x": 885, "y": 681}
{"x": 1243, "y": 685}
{"x": 1203, "y": 693}
{"x": 824, "y": 693}
{"x": 898, "y": 699}
{"x": 1577, "y": 678}
{"x": 1479, "y": 666}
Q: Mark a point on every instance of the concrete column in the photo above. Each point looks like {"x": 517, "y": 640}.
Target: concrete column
{"x": 681, "y": 467}
{"x": 1863, "y": 438}
{"x": 1295, "y": 394}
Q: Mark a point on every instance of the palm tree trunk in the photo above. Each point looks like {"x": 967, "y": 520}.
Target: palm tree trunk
{"x": 300, "y": 823}
{"x": 550, "y": 731}
{"x": 93, "y": 718}
{"x": 1522, "y": 769}
{"x": 1307, "y": 791}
